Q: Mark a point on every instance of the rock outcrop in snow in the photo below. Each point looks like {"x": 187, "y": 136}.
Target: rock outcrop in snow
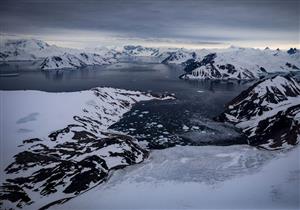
{"x": 292, "y": 51}
{"x": 268, "y": 113}
{"x": 55, "y": 165}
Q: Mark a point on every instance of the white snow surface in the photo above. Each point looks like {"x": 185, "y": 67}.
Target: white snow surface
{"x": 208, "y": 177}
{"x": 35, "y": 114}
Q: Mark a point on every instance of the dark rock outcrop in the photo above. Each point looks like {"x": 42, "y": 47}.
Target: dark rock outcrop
{"x": 268, "y": 113}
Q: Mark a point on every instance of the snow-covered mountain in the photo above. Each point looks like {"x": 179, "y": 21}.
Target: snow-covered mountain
{"x": 51, "y": 56}
{"x": 268, "y": 113}
{"x": 132, "y": 50}
{"x": 26, "y": 49}
{"x": 178, "y": 56}
{"x": 240, "y": 63}
{"x": 231, "y": 63}
{"x": 72, "y": 152}
{"x": 75, "y": 60}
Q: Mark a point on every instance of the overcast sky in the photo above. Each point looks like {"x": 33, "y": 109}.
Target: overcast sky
{"x": 189, "y": 23}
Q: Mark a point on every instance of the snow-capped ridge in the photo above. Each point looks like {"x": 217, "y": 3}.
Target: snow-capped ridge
{"x": 76, "y": 60}
{"x": 268, "y": 113}
{"x": 239, "y": 63}
{"x": 138, "y": 50}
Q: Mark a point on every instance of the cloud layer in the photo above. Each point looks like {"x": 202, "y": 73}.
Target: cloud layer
{"x": 248, "y": 22}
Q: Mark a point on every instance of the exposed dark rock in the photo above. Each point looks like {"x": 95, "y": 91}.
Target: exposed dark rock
{"x": 263, "y": 69}
{"x": 14, "y": 194}
{"x": 267, "y": 113}
{"x": 292, "y": 51}
{"x": 291, "y": 66}
{"x": 192, "y": 64}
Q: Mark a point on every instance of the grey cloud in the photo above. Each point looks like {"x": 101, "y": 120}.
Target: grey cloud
{"x": 202, "y": 21}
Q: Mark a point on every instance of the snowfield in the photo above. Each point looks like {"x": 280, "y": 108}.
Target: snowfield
{"x": 207, "y": 177}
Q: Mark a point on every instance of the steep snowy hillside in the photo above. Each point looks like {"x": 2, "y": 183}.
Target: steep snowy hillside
{"x": 268, "y": 113}
{"x": 239, "y": 63}
{"x": 72, "y": 152}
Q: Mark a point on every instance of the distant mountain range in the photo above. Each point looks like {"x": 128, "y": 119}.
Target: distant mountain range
{"x": 230, "y": 63}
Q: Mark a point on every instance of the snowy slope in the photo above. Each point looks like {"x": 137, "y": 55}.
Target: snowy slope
{"x": 26, "y": 49}
{"x": 268, "y": 113}
{"x": 239, "y": 63}
{"x": 71, "y": 152}
{"x": 62, "y": 62}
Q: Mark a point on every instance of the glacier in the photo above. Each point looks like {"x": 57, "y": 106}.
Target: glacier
{"x": 207, "y": 177}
